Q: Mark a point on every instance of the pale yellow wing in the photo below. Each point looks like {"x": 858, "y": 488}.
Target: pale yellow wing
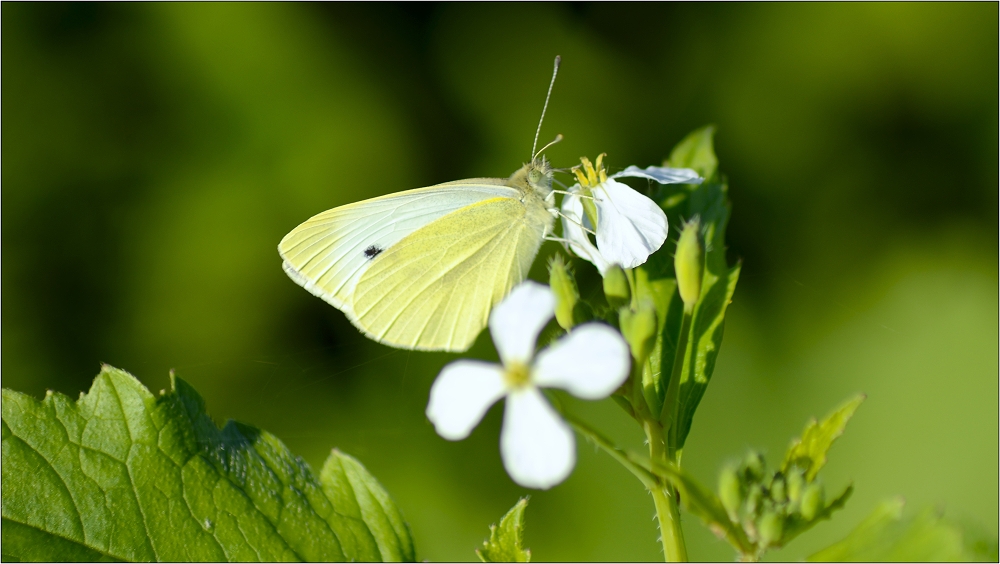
{"x": 434, "y": 289}
{"x": 328, "y": 253}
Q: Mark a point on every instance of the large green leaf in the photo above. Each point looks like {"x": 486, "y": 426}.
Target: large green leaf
{"x": 885, "y": 536}
{"x": 709, "y": 201}
{"x": 122, "y": 475}
{"x": 506, "y": 543}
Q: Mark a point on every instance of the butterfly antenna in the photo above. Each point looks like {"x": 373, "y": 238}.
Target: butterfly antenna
{"x": 555, "y": 71}
{"x": 542, "y": 150}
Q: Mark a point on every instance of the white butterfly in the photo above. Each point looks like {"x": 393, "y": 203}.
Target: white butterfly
{"x": 422, "y": 269}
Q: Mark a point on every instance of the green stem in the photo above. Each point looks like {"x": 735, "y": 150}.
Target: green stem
{"x": 665, "y": 497}
{"x": 630, "y": 276}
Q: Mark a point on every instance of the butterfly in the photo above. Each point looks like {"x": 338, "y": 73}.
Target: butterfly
{"x": 423, "y": 268}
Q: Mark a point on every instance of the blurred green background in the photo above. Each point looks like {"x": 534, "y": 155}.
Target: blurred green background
{"x": 155, "y": 154}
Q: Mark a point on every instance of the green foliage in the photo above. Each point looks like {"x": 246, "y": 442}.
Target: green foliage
{"x": 661, "y": 292}
{"x": 505, "y": 542}
{"x": 770, "y": 508}
{"x": 123, "y": 475}
{"x": 885, "y": 536}
{"x": 696, "y": 151}
{"x": 809, "y": 452}
{"x": 708, "y": 201}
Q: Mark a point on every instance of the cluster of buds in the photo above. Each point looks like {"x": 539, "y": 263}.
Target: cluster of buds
{"x": 771, "y": 507}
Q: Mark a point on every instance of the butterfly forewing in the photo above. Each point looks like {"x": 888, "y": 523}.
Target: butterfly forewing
{"x": 433, "y": 290}
{"x": 328, "y": 253}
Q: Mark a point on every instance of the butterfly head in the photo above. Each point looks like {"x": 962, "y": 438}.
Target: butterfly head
{"x": 535, "y": 176}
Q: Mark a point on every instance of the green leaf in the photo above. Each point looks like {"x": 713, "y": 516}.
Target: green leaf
{"x": 885, "y": 536}
{"x": 505, "y": 542}
{"x": 661, "y": 292}
{"x": 122, "y": 475}
{"x": 709, "y": 201}
{"x": 809, "y": 451}
{"x": 696, "y": 151}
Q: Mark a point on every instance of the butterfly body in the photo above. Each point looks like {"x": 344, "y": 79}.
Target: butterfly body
{"x": 421, "y": 269}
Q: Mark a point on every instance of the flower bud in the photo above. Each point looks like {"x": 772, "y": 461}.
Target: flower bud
{"x": 769, "y": 528}
{"x": 754, "y": 498}
{"x": 795, "y": 482}
{"x": 689, "y": 263}
{"x": 778, "y": 489}
{"x": 639, "y": 329}
{"x": 616, "y": 288}
{"x": 754, "y": 465}
{"x": 564, "y": 288}
{"x": 812, "y": 501}
{"x": 730, "y": 491}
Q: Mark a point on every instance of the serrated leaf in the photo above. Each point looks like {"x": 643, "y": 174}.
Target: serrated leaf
{"x": 122, "y": 475}
{"x": 505, "y": 542}
{"x": 696, "y": 151}
{"x": 885, "y": 536}
{"x": 809, "y": 451}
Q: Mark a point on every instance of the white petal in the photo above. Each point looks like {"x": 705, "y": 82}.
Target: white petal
{"x": 517, "y": 321}
{"x": 590, "y": 362}
{"x": 573, "y": 218}
{"x": 630, "y": 226}
{"x": 537, "y": 446}
{"x": 460, "y": 396}
{"x": 662, "y": 174}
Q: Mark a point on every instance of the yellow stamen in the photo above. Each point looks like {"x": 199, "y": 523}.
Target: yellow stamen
{"x": 601, "y": 174}
{"x": 581, "y": 177}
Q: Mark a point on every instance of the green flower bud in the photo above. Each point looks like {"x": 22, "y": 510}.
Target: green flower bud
{"x": 616, "y": 288}
{"x": 770, "y": 528}
{"x": 795, "y": 482}
{"x": 639, "y": 329}
{"x": 754, "y": 498}
{"x": 778, "y": 488}
{"x": 754, "y": 465}
{"x": 730, "y": 491}
{"x": 689, "y": 263}
{"x": 812, "y": 501}
{"x": 564, "y": 288}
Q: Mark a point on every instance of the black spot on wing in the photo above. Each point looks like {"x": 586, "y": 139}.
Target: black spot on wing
{"x": 372, "y": 251}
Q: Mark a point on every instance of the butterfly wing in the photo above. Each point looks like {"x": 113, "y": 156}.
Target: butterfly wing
{"x": 434, "y": 289}
{"x": 328, "y": 253}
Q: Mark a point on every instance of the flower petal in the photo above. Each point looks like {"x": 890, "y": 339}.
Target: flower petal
{"x": 573, "y": 218}
{"x": 537, "y": 446}
{"x": 460, "y": 396}
{"x": 662, "y": 174}
{"x": 630, "y": 226}
{"x": 517, "y": 321}
{"x": 590, "y": 362}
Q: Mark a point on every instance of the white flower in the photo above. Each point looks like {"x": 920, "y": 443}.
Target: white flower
{"x": 537, "y": 446}
{"x": 630, "y": 226}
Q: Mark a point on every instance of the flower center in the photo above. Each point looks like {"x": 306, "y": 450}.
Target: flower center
{"x": 517, "y": 375}
{"x": 591, "y": 175}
